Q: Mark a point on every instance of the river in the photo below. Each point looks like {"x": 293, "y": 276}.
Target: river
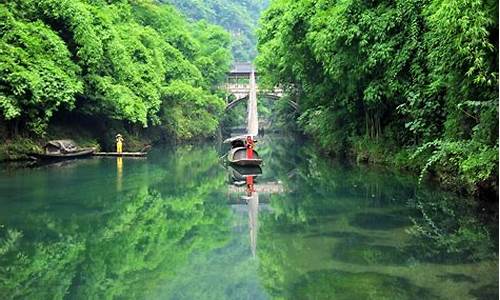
{"x": 171, "y": 227}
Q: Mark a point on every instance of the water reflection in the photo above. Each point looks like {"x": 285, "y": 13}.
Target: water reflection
{"x": 175, "y": 229}
{"x": 111, "y": 245}
{"x": 348, "y": 232}
{"x": 253, "y": 220}
{"x": 245, "y": 176}
{"x": 119, "y": 173}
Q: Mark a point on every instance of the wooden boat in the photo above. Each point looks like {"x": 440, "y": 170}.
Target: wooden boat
{"x": 62, "y": 149}
{"x": 238, "y": 156}
{"x": 59, "y": 156}
{"x": 237, "y": 141}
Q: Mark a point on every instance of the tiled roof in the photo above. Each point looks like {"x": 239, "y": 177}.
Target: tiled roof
{"x": 242, "y": 67}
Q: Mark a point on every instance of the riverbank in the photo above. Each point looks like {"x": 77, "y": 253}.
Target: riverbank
{"x": 85, "y": 131}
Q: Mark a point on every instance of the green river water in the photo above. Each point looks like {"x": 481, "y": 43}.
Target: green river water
{"x": 170, "y": 227}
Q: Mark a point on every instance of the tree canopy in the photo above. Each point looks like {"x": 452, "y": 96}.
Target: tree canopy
{"x": 240, "y": 17}
{"x": 116, "y": 59}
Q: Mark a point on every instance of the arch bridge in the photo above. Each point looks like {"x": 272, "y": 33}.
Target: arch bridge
{"x": 238, "y": 84}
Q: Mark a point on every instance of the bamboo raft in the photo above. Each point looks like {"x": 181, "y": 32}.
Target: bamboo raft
{"x": 123, "y": 154}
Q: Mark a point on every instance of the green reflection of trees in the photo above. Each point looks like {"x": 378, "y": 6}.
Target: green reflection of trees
{"x": 41, "y": 270}
{"x": 366, "y": 219}
{"x": 319, "y": 187}
{"x": 127, "y": 250}
{"x": 346, "y": 285}
{"x": 447, "y": 229}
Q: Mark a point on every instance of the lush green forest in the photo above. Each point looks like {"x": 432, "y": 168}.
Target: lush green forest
{"x": 140, "y": 63}
{"x": 240, "y": 17}
{"x": 410, "y": 83}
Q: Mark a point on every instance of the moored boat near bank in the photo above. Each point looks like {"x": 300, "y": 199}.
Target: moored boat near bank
{"x": 61, "y": 150}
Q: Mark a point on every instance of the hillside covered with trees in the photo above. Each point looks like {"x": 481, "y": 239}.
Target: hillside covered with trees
{"x": 139, "y": 63}
{"x": 239, "y": 17}
{"x": 408, "y": 83}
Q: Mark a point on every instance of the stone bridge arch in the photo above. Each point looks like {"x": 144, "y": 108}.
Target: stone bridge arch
{"x": 238, "y": 84}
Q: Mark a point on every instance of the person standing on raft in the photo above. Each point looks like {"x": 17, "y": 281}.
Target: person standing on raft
{"x": 119, "y": 143}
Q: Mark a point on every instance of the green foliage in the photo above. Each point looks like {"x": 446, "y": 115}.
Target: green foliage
{"x": 238, "y": 17}
{"x": 321, "y": 122}
{"x": 36, "y": 71}
{"x": 402, "y": 73}
{"x": 473, "y": 162}
{"x": 16, "y": 149}
{"x": 189, "y": 112}
{"x": 214, "y": 51}
{"x": 109, "y": 59}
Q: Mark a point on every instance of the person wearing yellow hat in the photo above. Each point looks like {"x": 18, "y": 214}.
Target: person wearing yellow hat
{"x": 119, "y": 143}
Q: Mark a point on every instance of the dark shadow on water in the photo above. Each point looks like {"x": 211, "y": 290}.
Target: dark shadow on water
{"x": 363, "y": 254}
{"x": 330, "y": 284}
{"x": 376, "y": 221}
{"x": 457, "y": 277}
{"x": 347, "y": 237}
{"x": 486, "y": 292}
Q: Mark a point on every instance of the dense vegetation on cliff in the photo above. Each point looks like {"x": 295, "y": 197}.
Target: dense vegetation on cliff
{"x": 408, "y": 82}
{"x": 240, "y": 17}
{"x": 139, "y": 62}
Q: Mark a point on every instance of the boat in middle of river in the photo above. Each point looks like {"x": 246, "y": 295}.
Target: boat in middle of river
{"x": 239, "y": 153}
{"x": 238, "y": 156}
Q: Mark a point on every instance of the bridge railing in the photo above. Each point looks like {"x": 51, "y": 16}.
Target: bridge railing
{"x": 239, "y": 87}
{"x": 231, "y": 86}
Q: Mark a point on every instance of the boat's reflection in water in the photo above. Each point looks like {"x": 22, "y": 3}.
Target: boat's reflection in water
{"x": 253, "y": 219}
{"x": 252, "y": 200}
{"x": 240, "y": 177}
{"x": 245, "y": 182}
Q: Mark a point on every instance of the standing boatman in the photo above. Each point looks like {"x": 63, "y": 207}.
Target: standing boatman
{"x": 119, "y": 143}
{"x": 250, "y": 144}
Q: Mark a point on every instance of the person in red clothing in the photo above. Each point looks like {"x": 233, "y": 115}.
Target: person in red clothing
{"x": 250, "y": 145}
